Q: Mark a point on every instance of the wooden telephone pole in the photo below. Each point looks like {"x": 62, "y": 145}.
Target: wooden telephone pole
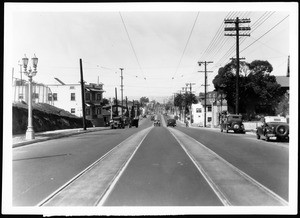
{"x": 205, "y": 84}
{"x": 82, "y": 94}
{"x": 237, "y": 28}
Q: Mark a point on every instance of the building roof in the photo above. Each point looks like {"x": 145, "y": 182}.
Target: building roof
{"x": 284, "y": 81}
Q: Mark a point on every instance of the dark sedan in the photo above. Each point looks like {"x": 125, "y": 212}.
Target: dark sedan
{"x": 171, "y": 122}
{"x": 273, "y": 127}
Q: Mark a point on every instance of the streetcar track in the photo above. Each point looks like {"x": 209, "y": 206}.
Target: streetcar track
{"x": 257, "y": 193}
{"x": 106, "y": 186}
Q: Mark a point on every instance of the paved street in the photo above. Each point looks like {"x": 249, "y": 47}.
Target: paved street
{"x": 152, "y": 166}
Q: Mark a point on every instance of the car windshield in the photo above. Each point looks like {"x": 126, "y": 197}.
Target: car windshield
{"x": 234, "y": 118}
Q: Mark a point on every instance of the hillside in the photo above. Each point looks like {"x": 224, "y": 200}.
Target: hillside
{"x": 45, "y": 118}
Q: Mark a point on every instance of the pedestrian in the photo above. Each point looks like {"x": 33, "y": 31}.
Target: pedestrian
{"x": 186, "y": 123}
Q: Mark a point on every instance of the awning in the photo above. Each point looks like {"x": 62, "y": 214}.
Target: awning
{"x": 108, "y": 106}
{"x": 89, "y": 104}
{"x": 94, "y": 90}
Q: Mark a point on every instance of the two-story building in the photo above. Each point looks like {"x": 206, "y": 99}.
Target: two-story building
{"x": 69, "y": 98}
{"x": 215, "y": 103}
{"x": 40, "y": 92}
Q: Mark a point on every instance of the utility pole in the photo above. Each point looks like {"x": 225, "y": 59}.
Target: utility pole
{"x": 117, "y": 111}
{"x": 175, "y": 111}
{"x": 185, "y": 91}
{"x": 205, "y": 84}
{"x": 126, "y": 103}
{"x": 191, "y": 102}
{"x": 288, "y": 67}
{"x": 82, "y": 94}
{"x": 122, "y": 90}
{"x": 237, "y": 30}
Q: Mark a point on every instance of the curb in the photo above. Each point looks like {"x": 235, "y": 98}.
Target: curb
{"x": 250, "y": 131}
{"x": 19, "y": 144}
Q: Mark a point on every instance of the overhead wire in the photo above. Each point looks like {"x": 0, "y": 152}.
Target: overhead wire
{"x": 132, "y": 47}
{"x": 188, "y": 40}
{"x": 218, "y": 45}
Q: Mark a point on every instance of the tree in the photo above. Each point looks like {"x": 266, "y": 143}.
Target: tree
{"x": 189, "y": 99}
{"x": 258, "y": 89}
{"x": 184, "y": 101}
{"x": 179, "y": 101}
{"x": 104, "y": 102}
{"x": 284, "y": 105}
{"x": 144, "y": 101}
{"x": 169, "y": 105}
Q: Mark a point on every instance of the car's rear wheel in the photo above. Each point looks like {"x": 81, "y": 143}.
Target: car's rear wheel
{"x": 282, "y": 131}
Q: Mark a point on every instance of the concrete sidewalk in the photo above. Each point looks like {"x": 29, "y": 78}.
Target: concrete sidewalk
{"x": 20, "y": 140}
{"x": 247, "y": 131}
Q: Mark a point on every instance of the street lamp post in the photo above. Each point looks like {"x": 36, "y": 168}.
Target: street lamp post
{"x": 30, "y": 73}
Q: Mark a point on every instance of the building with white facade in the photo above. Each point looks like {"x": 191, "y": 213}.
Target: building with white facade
{"x": 214, "y": 106}
{"x": 40, "y": 92}
{"x": 69, "y": 98}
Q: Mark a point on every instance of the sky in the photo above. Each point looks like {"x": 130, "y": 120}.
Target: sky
{"x": 157, "y": 45}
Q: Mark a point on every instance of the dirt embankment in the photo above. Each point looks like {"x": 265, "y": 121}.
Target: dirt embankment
{"x": 45, "y": 118}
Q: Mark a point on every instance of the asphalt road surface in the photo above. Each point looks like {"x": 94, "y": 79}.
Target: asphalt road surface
{"x": 152, "y": 166}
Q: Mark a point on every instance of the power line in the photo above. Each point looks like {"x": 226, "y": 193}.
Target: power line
{"x": 265, "y": 33}
{"x": 259, "y": 24}
{"x": 131, "y": 44}
{"x": 186, "y": 44}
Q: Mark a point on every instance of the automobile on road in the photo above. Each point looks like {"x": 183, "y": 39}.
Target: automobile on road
{"x": 134, "y": 122}
{"x": 273, "y": 127}
{"x": 171, "y": 122}
{"x": 117, "y": 123}
{"x": 232, "y": 122}
{"x": 156, "y": 123}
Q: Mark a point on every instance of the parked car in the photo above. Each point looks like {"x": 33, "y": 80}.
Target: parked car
{"x": 232, "y": 122}
{"x": 156, "y": 123}
{"x": 117, "y": 123}
{"x": 171, "y": 122}
{"x": 273, "y": 127}
{"x": 134, "y": 122}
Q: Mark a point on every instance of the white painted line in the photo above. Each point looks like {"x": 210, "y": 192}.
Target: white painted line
{"x": 116, "y": 179}
{"x": 88, "y": 169}
{"x": 215, "y": 188}
{"x": 48, "y": 198}
{"x": 230, "y": 183}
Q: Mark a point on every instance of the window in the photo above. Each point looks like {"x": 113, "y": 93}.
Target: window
{"x": 73, "y": 110}
{"x": 208, "y": 119}
{"x": 198, "y": 110}
{"x": 35, "y": 95}
{"x": 72, "y": 87}
{"x": 87, "y": 96}
{"x": 98, "y": 97}
{"x": 49, "y": 96}
{"x": 21, "y": 96}
{"x": 54, "y": 96}
{"x": 72, "y": 96}
{"x": 87, "y": 111}
{"x": 209, "y": 108}
{"x": 98, "y": 110}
